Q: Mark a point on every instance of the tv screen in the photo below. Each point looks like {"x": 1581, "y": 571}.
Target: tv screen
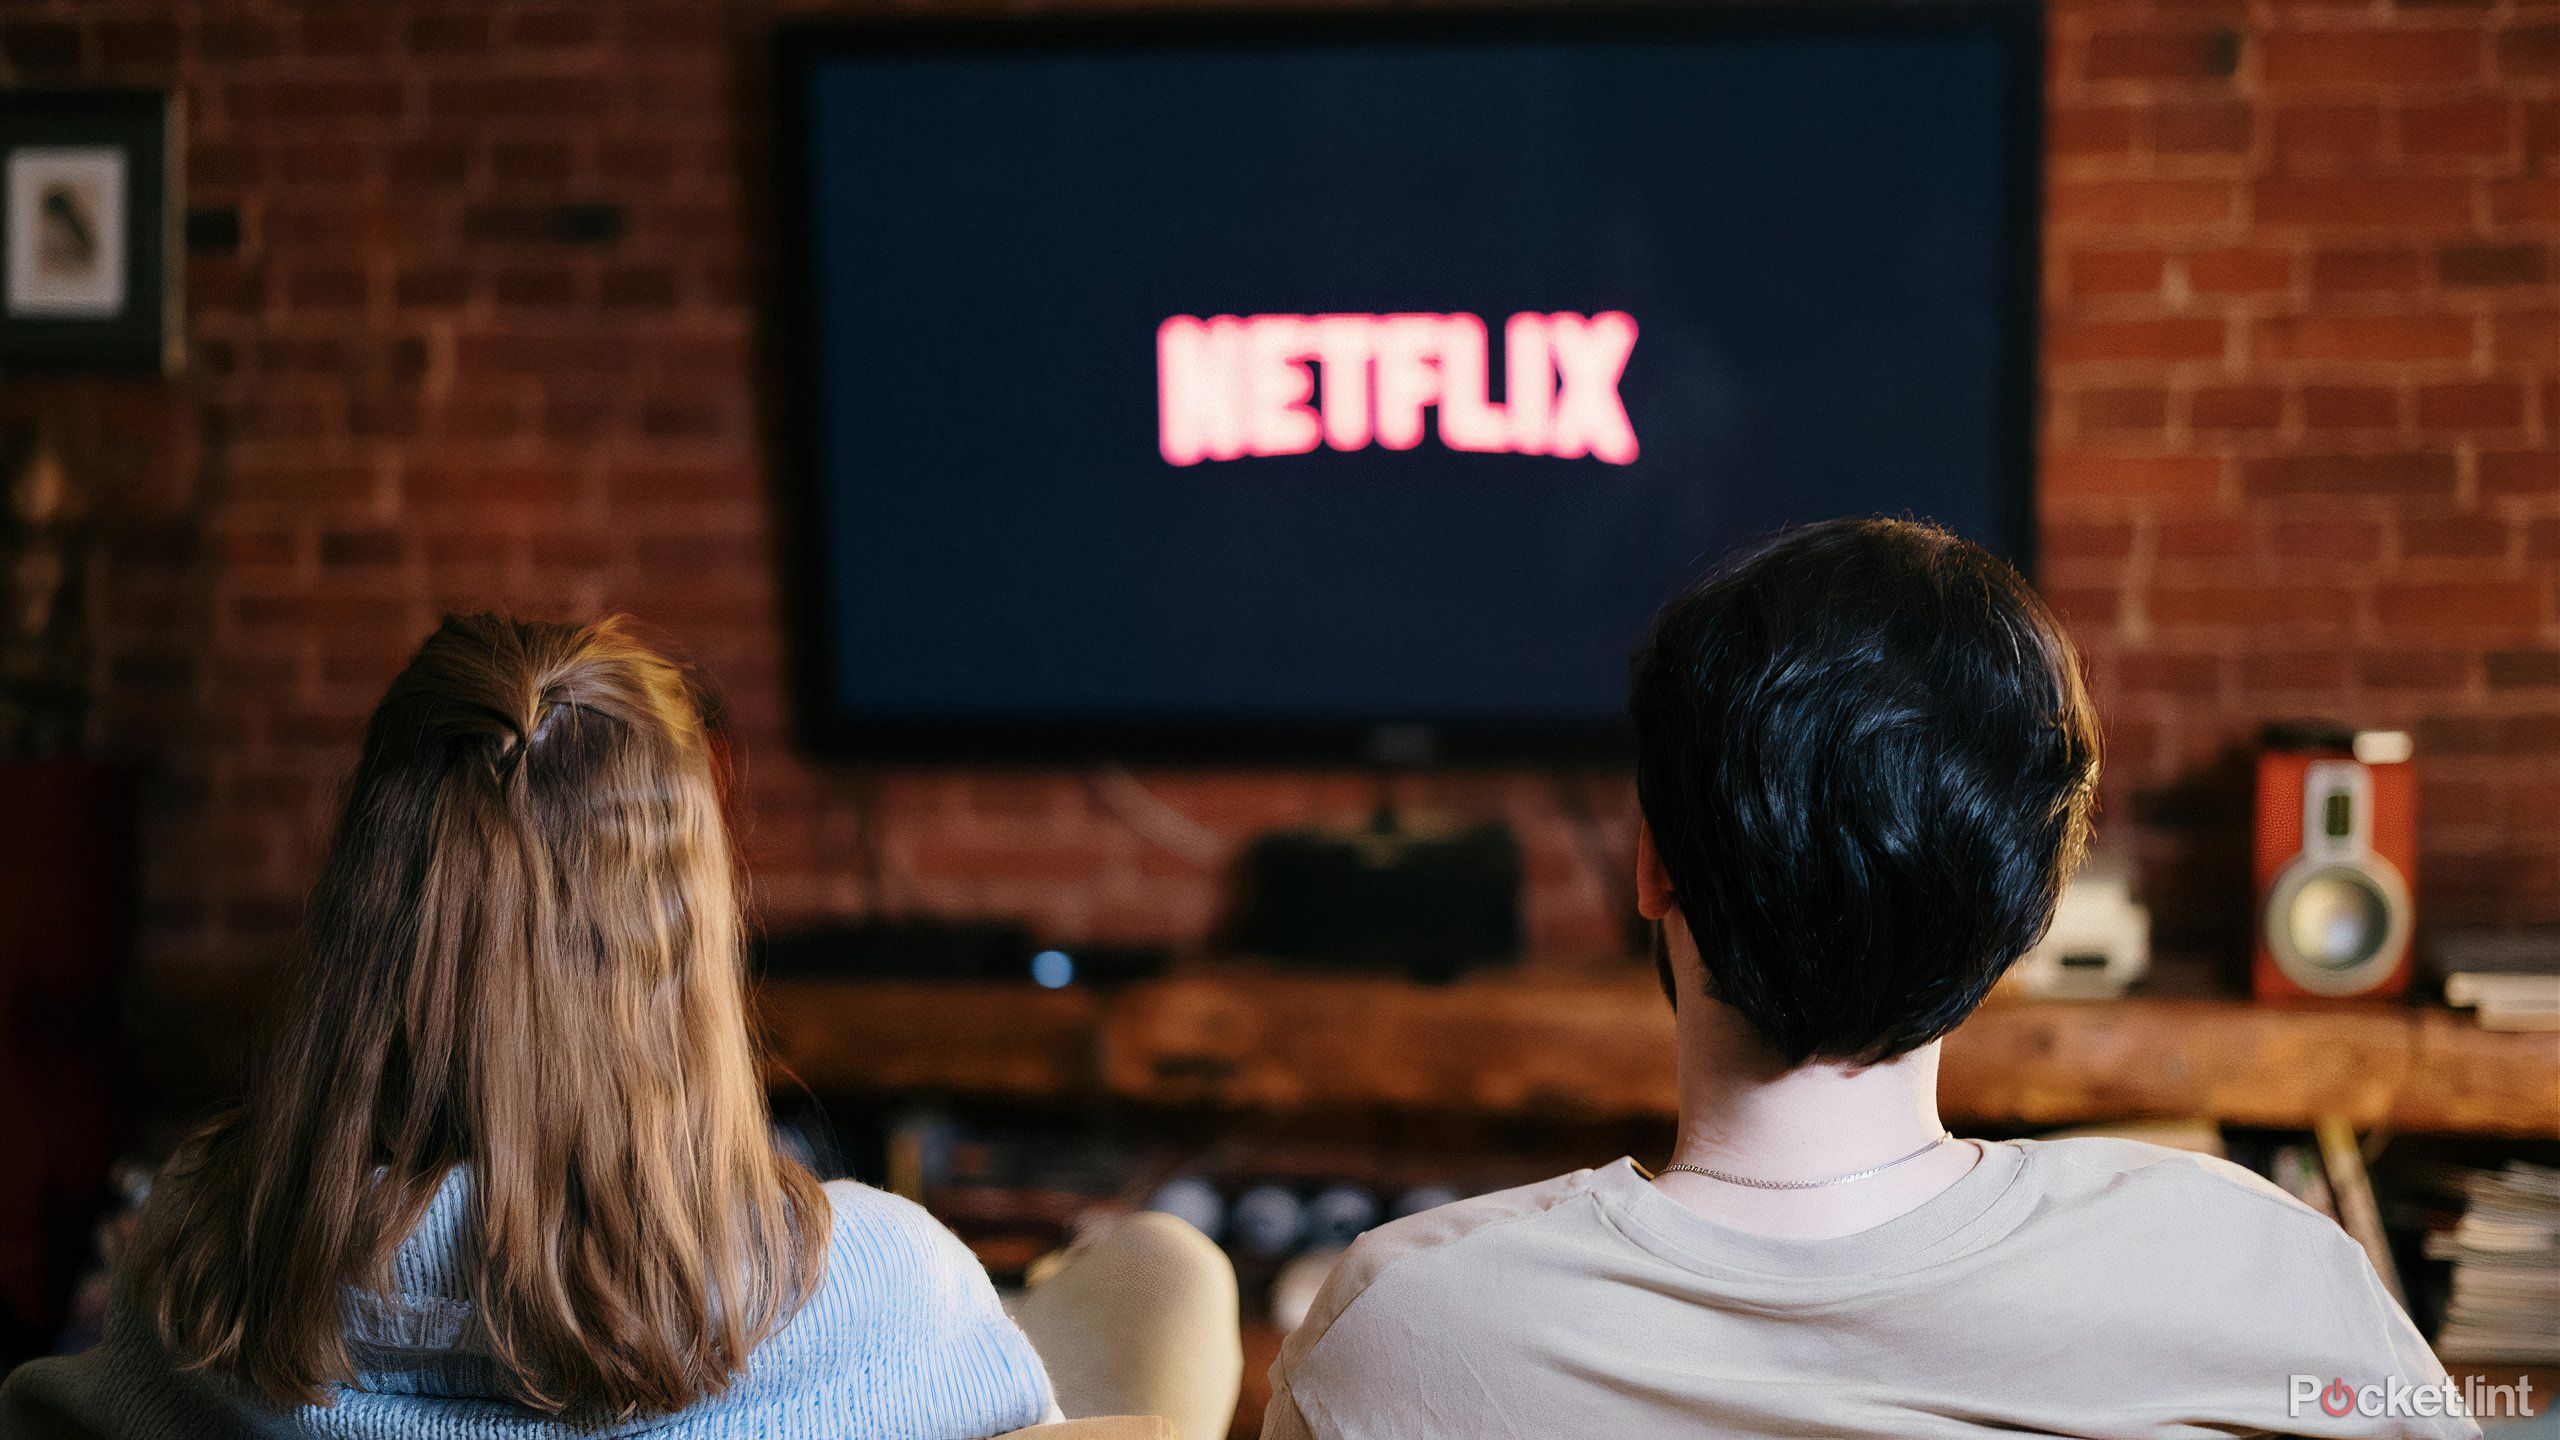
{"x": 1359, "y": 387}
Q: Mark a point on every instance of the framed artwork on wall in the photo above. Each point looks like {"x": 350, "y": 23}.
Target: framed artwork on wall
{"x": 89, "y": 218}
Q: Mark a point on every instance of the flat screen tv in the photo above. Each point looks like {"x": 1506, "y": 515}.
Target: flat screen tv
{"x": 1358, "y": 386}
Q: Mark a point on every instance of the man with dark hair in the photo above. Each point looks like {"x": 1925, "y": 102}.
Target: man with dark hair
{"x": 1865, "y": 765}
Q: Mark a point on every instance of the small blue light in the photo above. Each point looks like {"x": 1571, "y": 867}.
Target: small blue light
{"x": 1052, "y": 969}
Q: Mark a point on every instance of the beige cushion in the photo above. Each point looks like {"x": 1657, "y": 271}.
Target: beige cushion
{"x": 1100, "y": 1427}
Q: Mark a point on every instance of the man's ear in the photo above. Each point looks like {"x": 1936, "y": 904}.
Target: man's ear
{"x": 1654, "y": 899}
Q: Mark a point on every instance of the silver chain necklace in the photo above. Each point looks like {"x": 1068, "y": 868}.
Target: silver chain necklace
{"x": 1731, "y": 1179}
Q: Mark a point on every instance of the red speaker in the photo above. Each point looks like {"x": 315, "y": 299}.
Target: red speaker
{"x": 2337, "y": 854}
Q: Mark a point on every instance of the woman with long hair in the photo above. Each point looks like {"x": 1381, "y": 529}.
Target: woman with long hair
{"x": 509, "y": 1171}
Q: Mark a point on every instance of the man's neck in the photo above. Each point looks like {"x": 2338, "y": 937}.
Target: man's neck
{"x": 1742, "y": 1111}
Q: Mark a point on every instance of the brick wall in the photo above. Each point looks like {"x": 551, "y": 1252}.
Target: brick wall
{"x": 486, "y": 338}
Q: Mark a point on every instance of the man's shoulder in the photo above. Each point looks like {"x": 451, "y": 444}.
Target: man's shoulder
{"x": 2184, "y": 1217}
{"x": 1475, "y": 1223}
{"x": 2110, "y": 1173}
{"x": 1404, "y": 1254}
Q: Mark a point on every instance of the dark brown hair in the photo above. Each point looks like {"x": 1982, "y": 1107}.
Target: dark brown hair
{"x": 1867, "y": 762}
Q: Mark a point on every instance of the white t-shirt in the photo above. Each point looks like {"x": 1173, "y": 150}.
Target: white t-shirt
{"x": 2073, "y": 1287}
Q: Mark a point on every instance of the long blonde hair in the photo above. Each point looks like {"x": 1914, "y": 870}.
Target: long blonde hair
{"x": 523, "y": 957}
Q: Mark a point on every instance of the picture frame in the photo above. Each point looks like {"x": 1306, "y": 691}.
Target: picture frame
{"x": 90, "y": 254}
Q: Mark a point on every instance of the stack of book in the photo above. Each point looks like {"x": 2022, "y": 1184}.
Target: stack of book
{"x": 2502, "y": 1302}
{"x": 2510, "y": 979}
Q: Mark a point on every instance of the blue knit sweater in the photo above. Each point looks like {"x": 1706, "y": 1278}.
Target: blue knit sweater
{"x": 902, "y": 1338}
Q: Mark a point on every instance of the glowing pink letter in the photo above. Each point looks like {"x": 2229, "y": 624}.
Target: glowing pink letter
{"x": 1469, "y": 420}
{"x": 1277, "y": 386}
{"x": 1199, "y": 389}
{"x": 1590, "y": 356}
{"x": 1343, "y": 345}
{"x": 1528, "y": 383}
{"x": 1407, "y": 378}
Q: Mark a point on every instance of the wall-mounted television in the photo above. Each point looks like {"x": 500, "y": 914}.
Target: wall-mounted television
{"x": 1356, "y": 385}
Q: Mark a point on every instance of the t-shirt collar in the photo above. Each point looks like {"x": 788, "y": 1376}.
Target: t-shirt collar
{"x": 1980, "y": 1207}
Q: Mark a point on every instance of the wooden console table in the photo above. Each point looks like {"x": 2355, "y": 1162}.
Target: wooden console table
{"x": 1515, "y": 1044}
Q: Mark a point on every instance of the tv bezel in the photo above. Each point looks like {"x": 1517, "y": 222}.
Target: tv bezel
{"x": 836, "y": 733}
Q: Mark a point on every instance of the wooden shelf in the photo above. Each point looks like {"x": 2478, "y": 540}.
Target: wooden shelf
{"x": 1516, "y": 1044}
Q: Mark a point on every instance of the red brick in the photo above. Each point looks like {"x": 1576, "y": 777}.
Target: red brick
{"x": 2348, "y": 541}
{"x": 2143, "y": 408}
{"x": 2247, "y": 606}
{"x": 2366, "y": 271}
{"x": 360, "y": 549}
{"x": 42, "y": 48}
{"x": 2541, "y": 131}
{"x": 2458, "y": 127}
{"x": 2529, "y": 473}
{"x": 535, "y": 287}
{"x": 2540, "y": 541}
{"x": 681, "y": 28}
{"x": 2095, "y": 340}
{"x": 657, "y": 483}
{"x": 2207, "y": 54}
{"x": 2435, "y": 670}
{"x": 2140, "y": 204}
{"x": 437, "y": 163}
{"x": 556, "y": 28}
{"x": 2086, "y": 607}
{"x": 449, "y": 32}
{"x": 2325, "y": 670}
{"x": 2499, "y": 606}
{"x": 2366, "y": 337}
{"x": 2092, "y": 129}
{"x": 2173, "y": 674}
{"x": 2483, "y": 405}
{"x": 504, "y": 484}
{"x": 512, "y": 97}
{"x": 701, "y": 553}
{"x": 539, "y": 165}
{"x": 651, "y": 287}
{"x": 330, "y": 101}
{"x": 670, "y": 418}
{"x": 2236, "y": 407}
{"x": 341, "y": 30}
{"x": 2206, "y": 538}
{"x": 2465, "y": 265}
{"x": 223, "y": 40}
{"x": 148, "y": 43}
{"x": 2474, "y": 537}
{"x": 325, "y": 289}
{"x": 2350, "y": 407}
{"x": 304, "y": 484}
{"x": 2328, "y": 132}
{"x": 435, "y": 287}
{"x": 2523, "y": 669}
{"x": 2364, "y": 202}
{"x": 333, "y": 608}
{"x": 2413, "y": 474}
{"x": 2087, "y": 540}
{"x": 2239, "y": 270}
{"x": 2523, "y": 339}
{"x": 2530, "y": 50}
{"x": 2181, "y": 477}
{"x": 2524, "y": 202}
{"x": 2203, "y": 129}
{"x": 2329, "y": 59}
{"x": 2117, "y": 272}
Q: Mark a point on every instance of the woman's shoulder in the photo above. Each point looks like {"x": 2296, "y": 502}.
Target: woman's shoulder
{"x": 886, "y": 1251}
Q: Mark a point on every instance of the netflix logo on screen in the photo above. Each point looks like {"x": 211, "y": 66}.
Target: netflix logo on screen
{"x": 1233, "y": 386}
